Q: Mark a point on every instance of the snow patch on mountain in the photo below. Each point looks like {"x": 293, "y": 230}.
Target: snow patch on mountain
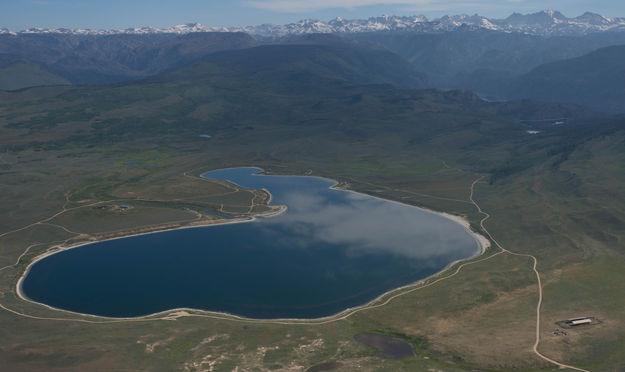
{"x": 545, "y": 23}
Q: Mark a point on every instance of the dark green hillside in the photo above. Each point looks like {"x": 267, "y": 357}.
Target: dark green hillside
{"x": 19, "y": 73}
{"x": 93, "y": 59}
{"x": 464, "y": 58}
{"x": 108, "y": 59}
{"x": 596, "y": 80}
{"x": 288, "y": 94}
{"x": 338, "y": 62}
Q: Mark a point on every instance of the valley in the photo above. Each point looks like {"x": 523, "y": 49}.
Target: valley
{"x": 121, "y": 152}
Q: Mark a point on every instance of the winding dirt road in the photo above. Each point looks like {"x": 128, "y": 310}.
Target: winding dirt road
{"x": 540, "y": 286}
{"x": 178, "y": 313}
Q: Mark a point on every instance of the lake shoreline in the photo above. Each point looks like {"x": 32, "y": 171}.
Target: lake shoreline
{"x": 482, "y": 242}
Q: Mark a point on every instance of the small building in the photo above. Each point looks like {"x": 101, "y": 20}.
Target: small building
{"x": 579, "y": 321}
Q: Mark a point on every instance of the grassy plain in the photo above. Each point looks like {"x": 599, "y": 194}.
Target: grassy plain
{"x": 557, "y": 195}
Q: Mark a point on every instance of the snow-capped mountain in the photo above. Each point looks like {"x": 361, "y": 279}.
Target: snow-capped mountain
{"x": 553, "y": 22}
{"x": 547, "y": 22}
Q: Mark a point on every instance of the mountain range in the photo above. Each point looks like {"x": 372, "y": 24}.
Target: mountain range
{"x": 467, "y": 53}
{"x": 547, "y": 22}
{"x": 93, "y": 59}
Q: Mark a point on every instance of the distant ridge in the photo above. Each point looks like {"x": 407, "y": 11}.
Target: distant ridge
{"x": 546, "y": 22}
{"x": 595, "y": 80}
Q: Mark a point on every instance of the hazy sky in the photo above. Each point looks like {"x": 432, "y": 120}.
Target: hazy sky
{"x": 20, "y": 14}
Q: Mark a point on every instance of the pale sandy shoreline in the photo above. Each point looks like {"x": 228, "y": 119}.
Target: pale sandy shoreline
{"x": 482, "y": 242}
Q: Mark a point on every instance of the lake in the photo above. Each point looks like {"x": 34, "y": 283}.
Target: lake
{"x": 329, "y": 251}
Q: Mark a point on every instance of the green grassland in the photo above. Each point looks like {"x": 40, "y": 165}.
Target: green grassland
{"x": 557, "y": 195}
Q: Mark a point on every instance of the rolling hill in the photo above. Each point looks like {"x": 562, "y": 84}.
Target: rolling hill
{"x": 299, "y": 91}
{"x": 360, "y": 65}
{"x": 105, "y": 59}
{"x": 18, "y": 73}
{"x": 596, "y": 80}
{"x": 464, "y": 58}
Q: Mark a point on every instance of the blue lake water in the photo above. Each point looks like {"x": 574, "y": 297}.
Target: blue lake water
{"x": 331, "y": 250}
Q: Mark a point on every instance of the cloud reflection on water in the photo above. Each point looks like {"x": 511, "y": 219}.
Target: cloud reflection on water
{"x": 365, "y": 225}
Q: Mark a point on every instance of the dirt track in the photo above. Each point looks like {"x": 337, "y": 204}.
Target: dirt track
{"x": 173, "y": 314}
